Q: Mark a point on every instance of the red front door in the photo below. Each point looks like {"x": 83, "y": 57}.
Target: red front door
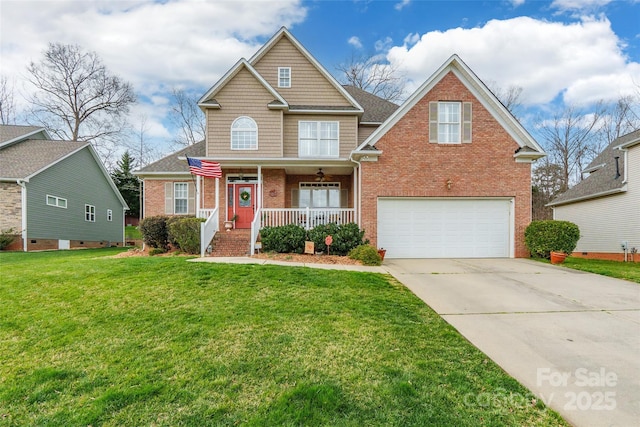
{"x": 243, "y": 204}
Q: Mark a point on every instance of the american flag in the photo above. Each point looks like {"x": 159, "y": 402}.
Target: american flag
{"x": 204, "y": 168}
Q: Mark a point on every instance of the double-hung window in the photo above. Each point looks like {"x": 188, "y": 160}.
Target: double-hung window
{"x": 284, "y": 77}
{"x": 244, "y": 134}
{"x": 319, "y": 195}
{"x": 180, "y": 197}
{"x": 90, "y": 213}
{"x": 318, "y": 139}
{"x": 450, "y": 122}
{"x": 109, "y": 215}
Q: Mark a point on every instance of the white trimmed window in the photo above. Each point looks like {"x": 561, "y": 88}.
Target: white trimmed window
{"x": 450, "y": 122}
{"x": 318, "y": 139}
{"x": 56, "y": 201}
{"x": 109, "y": 215}
{"x": 319, "y": 195}
{"x": 181, "y": 198}
{"x": 244, "y": 134}
{"x": 284, "y": 77}
{"x": 90, "y": 213}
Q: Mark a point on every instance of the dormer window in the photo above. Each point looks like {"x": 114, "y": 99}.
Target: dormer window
{"x": 284, "y": 76}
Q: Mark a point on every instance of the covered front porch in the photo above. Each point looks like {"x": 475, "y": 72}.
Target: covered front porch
{"x": 269, "y": 196}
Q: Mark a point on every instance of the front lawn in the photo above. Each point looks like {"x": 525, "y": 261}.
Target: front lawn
{"x": 620, "y": 270}
{"x": 90, "y": 340}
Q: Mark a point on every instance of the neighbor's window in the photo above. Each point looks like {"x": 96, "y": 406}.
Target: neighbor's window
{"x": 244, "y": 134}
{"x": 90, "y": 213}
{"x": 180, "y": 197}
{"x": 56, "y": 201}
{"x": 109, "y": 215}
{"x": 318, "y": 139}
{"x": 284, "y": 76}
{"x": 450, "y": 122}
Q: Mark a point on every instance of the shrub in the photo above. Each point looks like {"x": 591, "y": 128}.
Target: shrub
{"x": 284, "y": 239}
{"x": 367, "y": 254}
{"x": 544, "y": 237}
{"x": 345, "y": 237}
{"x": 156, "y": 251}
{"x": 184, "y": 233}
{"x": 154, "y": 231}
{"x": 7, "y": 237}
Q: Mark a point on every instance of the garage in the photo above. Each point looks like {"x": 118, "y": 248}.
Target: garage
{"x": 445, "y": 228}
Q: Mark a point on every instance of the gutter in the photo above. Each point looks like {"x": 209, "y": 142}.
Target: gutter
{"x": 622, "y": 189}
{"x": 23, "y": 200}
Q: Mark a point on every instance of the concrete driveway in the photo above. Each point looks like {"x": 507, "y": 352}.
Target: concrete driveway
{"x": 572, "y": 338}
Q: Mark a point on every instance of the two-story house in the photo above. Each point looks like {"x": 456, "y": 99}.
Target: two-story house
{"x": 447, "y": 174}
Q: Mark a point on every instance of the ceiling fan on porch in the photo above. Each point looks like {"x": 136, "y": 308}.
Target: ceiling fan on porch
{"x": 321, "y": 176}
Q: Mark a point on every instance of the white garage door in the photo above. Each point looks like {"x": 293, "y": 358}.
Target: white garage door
{"x": 444, "y": 228}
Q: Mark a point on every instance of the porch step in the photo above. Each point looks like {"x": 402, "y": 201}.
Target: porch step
{"x": 231, "y": 243}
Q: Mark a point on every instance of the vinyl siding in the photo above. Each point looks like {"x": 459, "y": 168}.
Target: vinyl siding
{"x": 348, "y": 132}
{"x": 79, "y": 180}
{"x": 607, "y": 221}
{"x": 308, "y": 85}
{"x": 244, "y": 96}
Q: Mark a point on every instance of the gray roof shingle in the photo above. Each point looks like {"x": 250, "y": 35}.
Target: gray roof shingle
{"x": 604, "y": 179}
{"x": 171, "y": 164}
{"x": 376, "y": 109}
{"x": 21, "y": 160}
{"x": 9, "y": 132}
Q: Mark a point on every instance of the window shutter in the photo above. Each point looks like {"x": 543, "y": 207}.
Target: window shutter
{"x": 295, "y": 198}
{"x": 191, "y": 199}
{"x": 433, "y": 122}
{"x": 344, "y": 198}
{"x": 466, "y": 122}
{"x": 168, "y": 198}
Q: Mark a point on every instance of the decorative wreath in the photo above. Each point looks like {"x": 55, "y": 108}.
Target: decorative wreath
{"x": 245, "y": 196}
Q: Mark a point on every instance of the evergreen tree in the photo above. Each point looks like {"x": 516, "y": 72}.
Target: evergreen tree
{"x": 127, "y": 183}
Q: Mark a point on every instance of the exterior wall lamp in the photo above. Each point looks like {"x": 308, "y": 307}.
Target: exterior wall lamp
{"x": 449, "y": 183}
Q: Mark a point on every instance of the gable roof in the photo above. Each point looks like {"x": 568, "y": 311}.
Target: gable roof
{"x": 376, "y": 109}
{"x": 605, "y": 178}
{"x": 529, "y": 148}
{"x": 10, "y": 134}
{"x": 24, "y": 159}
{"x": 283, "y": 32}
{"x": 207, "y": 99}
{"x": 171, "y": 164}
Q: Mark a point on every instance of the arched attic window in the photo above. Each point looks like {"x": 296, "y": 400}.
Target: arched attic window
{"x": 244, "y": 134}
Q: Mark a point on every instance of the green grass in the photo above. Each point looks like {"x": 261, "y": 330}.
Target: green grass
{"x": 90, "y": 340}
{"x": 620, "y": 270}
{"x": 132, "y": 232}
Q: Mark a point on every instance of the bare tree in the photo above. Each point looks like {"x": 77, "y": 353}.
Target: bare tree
{"x": 374, "y": 76}
{"x": 569, "y": 138}
{"x": 510, "y": 97}
{"x": 547, "y": 182}
{"x": 7, "y": 102}
{"x": 187, "y": 118}
{"x": 619, "y": 119}
{"x": 77, "y": 98}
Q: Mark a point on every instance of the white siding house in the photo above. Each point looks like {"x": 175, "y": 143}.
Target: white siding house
{"x": 606, "y": 204}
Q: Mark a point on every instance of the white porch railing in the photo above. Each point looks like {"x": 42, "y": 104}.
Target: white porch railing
{"x": 304, "y": 217}
{"x": 208, "y": 229}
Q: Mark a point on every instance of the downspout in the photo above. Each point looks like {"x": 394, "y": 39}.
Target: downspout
{"x": 357, "y": 203}
{"x": 23, "y": 201}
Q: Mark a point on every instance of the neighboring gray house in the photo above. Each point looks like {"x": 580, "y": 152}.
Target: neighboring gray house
{"x": 56, "y": 194}
{"x": 606, "y": 204}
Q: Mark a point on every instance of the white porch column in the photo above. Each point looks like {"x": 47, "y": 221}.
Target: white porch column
{"x": 217, "y": 201}
{"x": 259, "y": 187}
{"x": 198, "y": 195}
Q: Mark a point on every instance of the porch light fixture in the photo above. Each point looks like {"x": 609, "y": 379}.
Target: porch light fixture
{"x": 449, "y": 183}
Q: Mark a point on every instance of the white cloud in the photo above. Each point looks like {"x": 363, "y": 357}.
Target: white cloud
{"x": 583, "y": 60}
{"x": 402, "y": 4}
{"x": 516, "y": 3}
{"x": 573, "y": 5}
{"x": 355, "y": 42}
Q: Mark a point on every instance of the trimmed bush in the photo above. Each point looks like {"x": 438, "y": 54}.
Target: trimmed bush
{"x": 367, "y": 254}
{"x": 285, "y": 239}
{"x": 544, "y": 237}
{"x": 154, "y": 231}
{"x": 184, "y": 233}
{"x": 345, "y": 237}
{"x": 7, "y": 237}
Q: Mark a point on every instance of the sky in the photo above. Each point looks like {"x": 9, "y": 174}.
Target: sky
{"x": 561, "y": 52}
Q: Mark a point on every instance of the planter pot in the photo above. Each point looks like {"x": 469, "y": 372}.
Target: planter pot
{"x": 381, "y": 252}
{"x": 228, "y": 225}
{"x": 558, "y": 257}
